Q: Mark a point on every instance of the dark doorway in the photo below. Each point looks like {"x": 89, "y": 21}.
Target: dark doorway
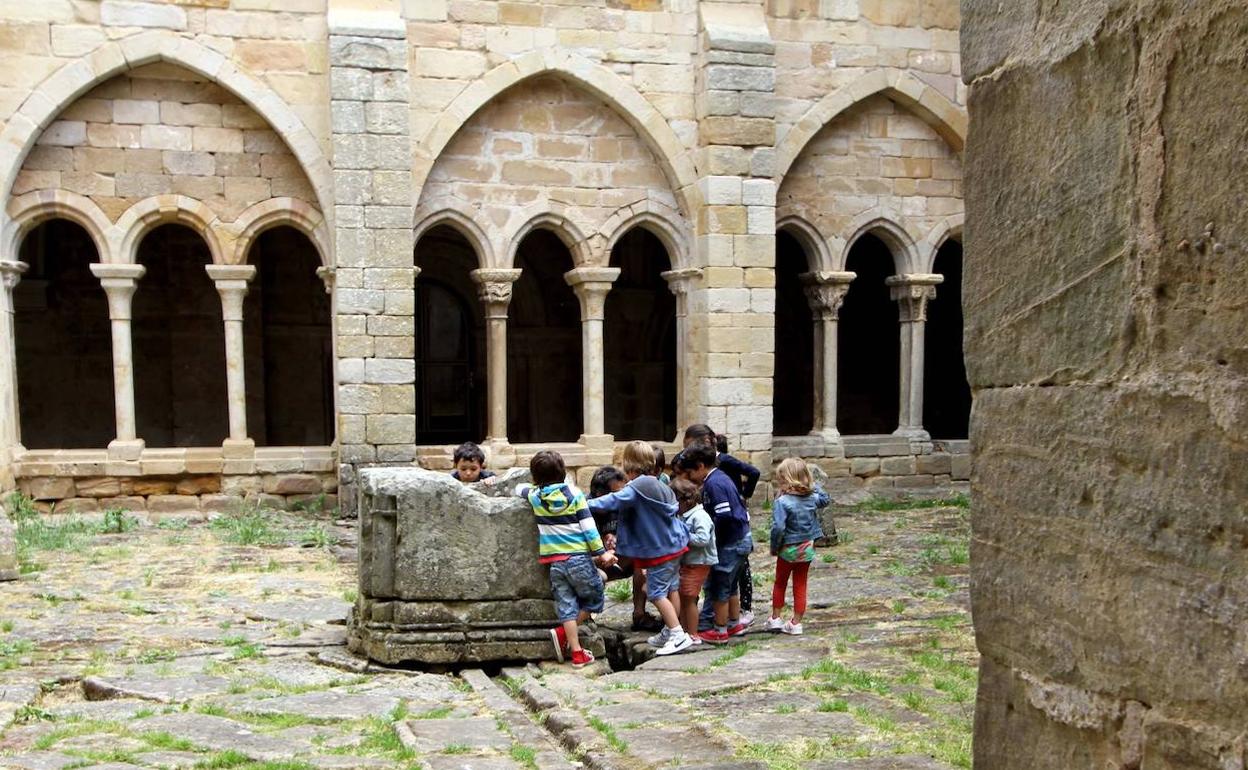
{"x": 450, "y": 342}
{"x": 793, "y": 395}
{"x": 869, "y": 345}
{"x": 946, "y": 394}
{"x": 289, "y": 363}
{"x": 640, "y": 341}
{"x": 64, "y": 342}
{"x": 179, "y": 343}
{"x": 543, "y": 346}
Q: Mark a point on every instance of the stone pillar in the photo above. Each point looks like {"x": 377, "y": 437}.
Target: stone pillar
{"x": 680, "y": 282}
{"x": 494, "y": 290}
{"x": 912, "y": 293}
{"x": 10, "y": 274}
{"x": 825, "y": 291}
{"x": 733, "y": 308}
{"x": 232, "y": 282}
{"x": 119, "y": 283}
{"x": 591, "y": 285}
{"x": 374, "y": 278}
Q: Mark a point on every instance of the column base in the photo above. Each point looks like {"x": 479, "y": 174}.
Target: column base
{"x": 238, "y": 449}
{"x": 502, "y": 454}
{"x": 597, "y": 441}
{"x": 125, "y": 451}
{"x": 914, "y": 433}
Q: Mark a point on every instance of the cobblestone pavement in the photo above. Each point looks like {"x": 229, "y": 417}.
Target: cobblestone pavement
{"x": 172, "y": 645}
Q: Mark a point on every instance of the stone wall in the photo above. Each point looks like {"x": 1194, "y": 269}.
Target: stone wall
{"x": 161, "y": 129}
{"x": 1105, "y": 252}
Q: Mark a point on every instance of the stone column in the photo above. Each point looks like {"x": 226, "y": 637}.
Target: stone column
{"x": 680, "y": 282}
{"x": 232, "y": 281}
{"x": 119, "y": 284}
{"x": 591, "y": 285}
{"x": 912, "y": 293}
{"x": 10, "y": 274}
{"x": 494, "y": 290}
{"x": 825, "y": 291}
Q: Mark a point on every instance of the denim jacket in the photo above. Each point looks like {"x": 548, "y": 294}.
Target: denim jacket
{"x": 795, "y": 518}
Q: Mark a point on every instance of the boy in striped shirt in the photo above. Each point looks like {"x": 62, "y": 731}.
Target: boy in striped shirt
{"x": 568, "y": 541}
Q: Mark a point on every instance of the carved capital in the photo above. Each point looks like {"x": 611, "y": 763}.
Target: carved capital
{"x": 912, "y": 292}
{"x": 494, "y": 289}
{"x": 11, "y": 273}
{"x": 825, "y": 291}
{"x": 326, "y": 274}
{"x": 681, "y": 281}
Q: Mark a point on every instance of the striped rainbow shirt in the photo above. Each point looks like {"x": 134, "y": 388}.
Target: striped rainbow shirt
{"x": 565, "y": 527}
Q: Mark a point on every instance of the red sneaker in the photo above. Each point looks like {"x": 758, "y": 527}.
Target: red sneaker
{"x": 714, "y": 637}
{"x": 738, "y": 630}
{"x": 559, "y": 638}
{"x": 582, "y": 658}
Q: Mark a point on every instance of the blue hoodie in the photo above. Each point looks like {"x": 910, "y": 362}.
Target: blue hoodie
{"x": 648, "y": 525}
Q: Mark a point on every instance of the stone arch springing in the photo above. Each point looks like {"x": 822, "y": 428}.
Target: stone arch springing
{"x": 451, "y": 388}
{"x": 139, "y": 220}
{"x": 34, "y": 208}
{"x": 664, "y": 223}
{"x": 544, "y": 356}
{"x": 457, "y": 214}
{"x": 947, "y": 394}
{"x": 550, "y": 218}
{"x": 869, "y": 375}
{"x": 288, "y": 358}
{"x": 179, "y": 345}
{"x": 63, "y": 339}
{"x": 73, "y": 80}
{"x": 599, "y": 81}
{"x": 640, "y": 339}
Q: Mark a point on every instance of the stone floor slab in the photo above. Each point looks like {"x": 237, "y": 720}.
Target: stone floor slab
{"x": 435, "y": 735}
{"x": 38, "y": 760}
{"x": 220, "y": 734}
{"x": 775, "y": 728}
{"x": 170, "y": 760}
{"x": 310, "y": 611}
{"x": 673, "y": 745}
{"x": 175, "y": 689}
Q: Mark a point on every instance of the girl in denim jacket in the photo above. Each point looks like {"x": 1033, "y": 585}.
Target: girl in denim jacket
{"x": 794, "y": 530}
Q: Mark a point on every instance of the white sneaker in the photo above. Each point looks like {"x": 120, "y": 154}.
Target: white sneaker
{"x": 794, "y": 629}
{"x": 774, "y": 624}
{"x": 660, "y": 639}
{"x": 679, "y": 641}
{"x": 747, "y": 618}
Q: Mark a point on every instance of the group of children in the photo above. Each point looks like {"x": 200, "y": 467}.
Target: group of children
{"x": 676, "y": 536}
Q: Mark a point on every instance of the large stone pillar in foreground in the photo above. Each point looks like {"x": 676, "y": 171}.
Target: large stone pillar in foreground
{"x": 1107, "y": 346}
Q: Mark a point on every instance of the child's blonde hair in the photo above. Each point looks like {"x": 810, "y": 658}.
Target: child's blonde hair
{"x": 638, "y": 458}
{"x": 794, "y": 475}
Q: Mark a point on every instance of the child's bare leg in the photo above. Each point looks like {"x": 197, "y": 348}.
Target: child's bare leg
{"x": 639, "y": 592}
{"x": 574, "y": 640}
{"x": 689, "y": 613}
{"x": 668, "y": 610}
{"x": 734, "y": 607}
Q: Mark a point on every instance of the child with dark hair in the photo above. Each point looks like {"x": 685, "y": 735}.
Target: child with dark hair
{"x": 745, "y": 476}
{"x": 568, "y": 541}
{"x": 696, "y": 564}
{"x": 469, "y": 463}
{"x": 733, "y": 542}
{"x": 660, "y": 464}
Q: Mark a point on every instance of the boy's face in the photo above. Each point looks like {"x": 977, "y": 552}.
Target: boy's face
{"x": 469, "y": 470}
{"x": 616, "y": 485}
{"x": 698, "y": 473}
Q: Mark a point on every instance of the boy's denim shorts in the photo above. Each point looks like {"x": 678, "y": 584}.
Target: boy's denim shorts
{"x": 725, "y": 575}
{"x": 576, "y": 586}
{"x": 662, "y": 579}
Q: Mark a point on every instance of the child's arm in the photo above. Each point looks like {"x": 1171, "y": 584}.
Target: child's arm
{"x": 592, "y": 540}
{"x": 700, "y": 532}
{"x": 821, "y": 498}
{"x": 752, "y": 475}
{"x": 523, "y": 490}
{"x": 615, "y": 502}
{"x": 779, "y": 515}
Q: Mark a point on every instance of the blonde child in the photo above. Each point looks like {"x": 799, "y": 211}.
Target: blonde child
{"x": 650, "y": 533}
{"x": 794, "y": 528}
{"x": 696, "y": 565}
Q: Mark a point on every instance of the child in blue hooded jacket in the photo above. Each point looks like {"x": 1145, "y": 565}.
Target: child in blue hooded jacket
{"x": 649, "y": 532}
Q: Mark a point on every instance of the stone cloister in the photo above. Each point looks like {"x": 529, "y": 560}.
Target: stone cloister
{"x": 515, "y": 223}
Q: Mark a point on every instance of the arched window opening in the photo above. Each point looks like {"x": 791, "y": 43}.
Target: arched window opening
{"x": 179, "y": 343}
{"x": 544, "y": 355}
{"x": 63, "y": 341}
{"x": 450, "y": 341}
{"x": 869, "y": 344}
{"x": 640, "y": 341}
{"x": 793, "y": 395}
{"x": 286, "y": 329}
{"x": 946, "y": 395}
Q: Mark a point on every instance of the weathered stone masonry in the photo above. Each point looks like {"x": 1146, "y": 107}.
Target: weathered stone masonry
{"x": 357, "y": 132}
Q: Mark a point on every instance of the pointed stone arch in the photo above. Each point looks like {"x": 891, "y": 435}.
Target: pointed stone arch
{"x": 73, "y": 80}
{"x": 937, "y": 110}
{"x": 276, "y": 212}
{"x": 150, "y": 213}
{"x": 456, "y": 213}
{"x": 602, "y": 83}
{"x": 28, "y": 211}
{"x": 818, "y": 254}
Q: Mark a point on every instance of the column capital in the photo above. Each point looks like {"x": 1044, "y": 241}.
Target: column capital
{"x": 825, "y": 291}
{"x": 591, "y": 285}
{"x": 11, "y": 273}
{"x": 231, "y": 276}
{"x": 681, "y": 281}
{"x": 327, "y": 274}
{"x": 912, "y": 292}
{"x": 117, "y": 275}
{"x": 494, "y": 289}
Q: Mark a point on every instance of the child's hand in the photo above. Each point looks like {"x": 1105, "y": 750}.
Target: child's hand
{"x": 774, "y": 552}
{"x": 609, "y": 542}
{"x": 608, "y": 559}
{"x": 490, "y": 481}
